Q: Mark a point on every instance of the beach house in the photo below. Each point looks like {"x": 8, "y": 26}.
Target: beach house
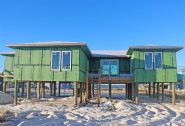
{"x": 73, "y": 62}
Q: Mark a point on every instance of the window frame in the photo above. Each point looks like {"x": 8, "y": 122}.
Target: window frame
{"x": 161, "y": 60}
{"x": 152, "y": 61}
{"x": 63, "y": 59}
{"x": 52, "y": 61}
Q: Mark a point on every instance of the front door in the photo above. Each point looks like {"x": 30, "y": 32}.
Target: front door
{"x": 109, "y": 67}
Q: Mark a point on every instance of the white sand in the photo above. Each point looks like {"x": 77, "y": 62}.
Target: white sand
{"x": 59, "y": 112}
{"x": 5, "y": 98}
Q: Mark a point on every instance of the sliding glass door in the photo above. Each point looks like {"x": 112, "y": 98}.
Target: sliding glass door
{"x": 109, "y": 67}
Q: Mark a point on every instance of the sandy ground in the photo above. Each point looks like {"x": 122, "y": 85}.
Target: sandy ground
{"x": 60, "y": 111}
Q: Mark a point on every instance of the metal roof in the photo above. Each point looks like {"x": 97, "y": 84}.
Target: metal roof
{"x": 174, "y": 48}
{"x": 48, "y": 44}
{"x": 7, "y": 53}
{"x": 109, "y": 53}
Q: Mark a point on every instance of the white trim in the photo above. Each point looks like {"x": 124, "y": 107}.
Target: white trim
{"x": 161, "y": 60}
{"x": 62, "y": 61}
{"x": 52, "y": 60}
{"x": 152, "y": 61}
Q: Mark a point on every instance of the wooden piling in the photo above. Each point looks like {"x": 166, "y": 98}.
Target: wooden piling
{"x": 163, "y": 92}
{"x": 22, "y": 89}
{"x": 110, "y": 92}
{"x": 54, "y": 88}
{"x": 153, "y": 90}
{"x": 93, "y": 89}
{"x": 75, "y": 93}
{"x": 38, "y": 90}
{"x": 59, "y": 89}
{"x": 43, "y": 89}
{"x": 126, "y": 91}
{"x": 51, "y": 88}
{"x": 149, "y": 89}
{"x": 157, "y": 91}
{"x": 136, "y": 93}
{"x": 15, "y": 92}
{"x": 81, "y": 91}
{"x": 4, "y": 86}
{"x": 173, "y": 94}
{"x": 28, "y": 90}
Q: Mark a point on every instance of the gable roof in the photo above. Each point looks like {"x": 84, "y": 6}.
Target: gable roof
{"x": 172, "y": 48}
{"x": 109, "y": 53}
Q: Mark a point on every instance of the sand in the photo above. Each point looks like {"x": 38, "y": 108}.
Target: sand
{"x": 5, "y": 98}
{"x": 61, "y": 111}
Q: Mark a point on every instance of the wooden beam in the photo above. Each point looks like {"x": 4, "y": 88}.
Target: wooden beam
{"x": 157, "y": 91}
{"x": 126, "y": 91}
{"x": 153, "y": 90}
{"x": 43, "y": 89}
{"x": 15, "y": 92}
{"x": 110, "y": 92}
{"x": 93, "y": 89}
{"x": 4, "y": 86}
{"x": 163, "y": 92}
{"x": 149, "y": 89}
{"x": 22, "y": 89}
{"x": 54, "y": 88}
{"x": 81, "y": 91}
{"x": 75, "y": 93}
{"x": 28, "y": 90}
{"x": 136, "y": 91}
{"x": 59, "y": 89}
{"x": 173, "y": 94}
{"x": 51, "y": 88}
{"x": 38, "y": 90}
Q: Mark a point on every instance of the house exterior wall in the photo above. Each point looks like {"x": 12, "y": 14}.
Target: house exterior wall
{"x": 124, "y": 65}
{"x": 167, "y": 74}
{"x": 8, "y": 67}
{"x": 34, "y": 64}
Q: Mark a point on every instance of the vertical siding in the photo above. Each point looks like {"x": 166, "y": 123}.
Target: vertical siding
{"x": 34, "y": 64}
{"x": 9, "y": 66}
{"x": 167, "y": 74}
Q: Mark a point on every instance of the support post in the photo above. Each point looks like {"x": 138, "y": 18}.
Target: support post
{"x": 43, "y": 89}
{"x": 133, "y": 92}
{"x": 136, "y": 93}
{"x": 22, "y": 89}
{"x": 38, "y": 90}
{"x": 93, "y": 89}
{"x": 87, "y": 90}
{"x": 158, "y": 91}
{"x": 75, "y": 93}
{"x": 110, "y": 92}
{"x": 54, "y": 88}
{"x": 28, "y": 90}
{"x": 163, "y": 92}
{"x": 51, "y": 88}
{"x": 126, "y": 90}
{"x": 149, "y": 89}
{"x": 173, "y": 94}
{"x": 15, "y": 92}
{"x": 59, "y": 89}
{"x": 153, "y": 90}
{"x": 81, "y": 90}
{"x": 4, "y": 86}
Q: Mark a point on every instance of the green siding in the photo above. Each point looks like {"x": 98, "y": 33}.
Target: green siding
{"x": 8, "y": 66}
{"x": 37, "y": 67}
{"x": 167, "y": 74}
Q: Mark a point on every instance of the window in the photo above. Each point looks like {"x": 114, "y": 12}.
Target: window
{"x": 158, "y": 60}
{"x": 55, "y": 60}
{"x": 148, "y": 60}
{"x": 66, "y": 60}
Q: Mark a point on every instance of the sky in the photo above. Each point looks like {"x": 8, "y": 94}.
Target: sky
{"x": 102, "y": 24}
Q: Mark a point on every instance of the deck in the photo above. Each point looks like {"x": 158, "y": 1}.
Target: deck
{"x": 122, "y": 79}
